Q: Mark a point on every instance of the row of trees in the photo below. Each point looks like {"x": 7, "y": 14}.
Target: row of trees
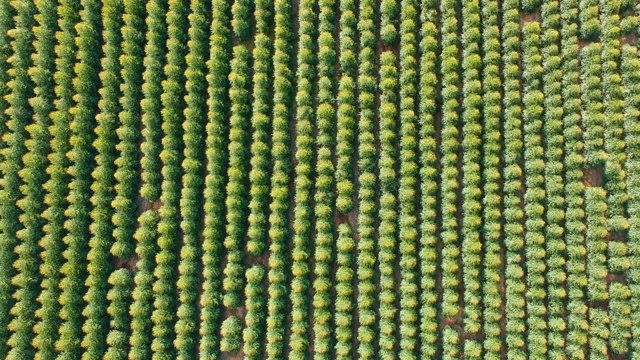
{"x": 614, "y": 145}
{"x": 387, "y": 213}
{"x": 239, "y": 79}
{"x": 344, "y": 292}
{"x": 596, "y": 207}
{"x": 195, "y": 118}
{"x": 407, "y": 193}
{"x": 119, "y": 297}
{"x": 347, "y": 112}
{"x": 427, "y": 147}
{"x": 598, "y": 333}
{"x": 260, "y": 125}
{"x": 324, "y": 198}
{"x": 128, "y": 163}
{"x": 99, "y": 261}
{"x": 241, "y": 21}
{"x": 367, "y": 180}
{"x": 233, "y": 283}
{"x": 165, "y": 304}
{"x": 254, "y": 318}
{"x": 534, "y": 197}
{"x": 620, "y": 315}
{"x": 303, "y": 210}
{"x": 449, "y": 149}
{"x": 631, "y": 81}
{"x": 577, "y": 325}
{"x": 345, "y": 188}
{"x": 146, "y": 234}
{"x": 56, "y": 185}
{"x": 388, "y": 22}
{"x": 218, "y": 68}
{"x": 142, "y": 296}
{"x": 472, "y": 174}
{"x": 154, "y": 61}
{"x": 492, "y": 266}
{"x": 553, "y": 179}
{"x": 7, "y": 241}
{"x": 278, "y": 224}
{"x": 592, "y": 108}
{"x": 23, "y": 171}
{"x": 513, "y": 182}
{"x": 589, "y": 22}
{"x": 86, "y": 84}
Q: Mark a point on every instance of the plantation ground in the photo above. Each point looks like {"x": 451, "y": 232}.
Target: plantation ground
{"x": 333, "y": 179}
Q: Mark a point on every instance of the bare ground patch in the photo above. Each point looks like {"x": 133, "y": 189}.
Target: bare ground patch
{"x": 527, "y": 17}
{"x": 594, "y": 176}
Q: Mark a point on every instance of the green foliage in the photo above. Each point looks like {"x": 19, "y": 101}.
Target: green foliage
{"x": 629, "y": 24}
{"x": 513, "y": 183}
{"x": 388, "y": 26}
{"x": 146, "y": 234}
{"x": 154, "y": 61}
{"x": 236, "y": 172}
{"x": 367, "y": 192}
{"x": 22, "y": 171}
{"x": 347, "y": 112}
{"x": 577, "y": 325}
{"x": 428, "y": 181}
{"x": 555, "y": 245}
{"x": 325, "y": 120}
{"x": 35, "y": 176}
{"x": 531, "y": 5}
{"x": 407, "y": 193}
{"x": 119, "y": 297}
{"x": 631, "y": 83}
{"x": 56, "y": 185}
{"x": 278, "y": 224}
{"x": 598, "y": 333}
{"x": 142, "y": 296}
{"x": 388, "y": 230}
{"x": 589, "y": 22}
{"x": 241, "y": 22}
{"x": 256, "y": 311}
{"x": 260, "y": 121}
{"x": 173, "y": 104}
{"x": 231, "y": 333}
{"x": 471, "y": 193}
{"x": 614, "y": 144}
{"x": 491, "y": 213}
{"x": 596, "y": 207}
{"x": 213, "y": 233}
{"x": 449, "y": 181}
{"x": 468, "y": 189}
{"x": 81, "y": 155}
{"x": 533, "y": 100}
{"x": 592, "y": 115}
{"x": 303, "y": 212}
{"x": 620, "y": 315}
{"x": 99, "y": 265}
{"x": 7, "y": 241}
{"x": 129, "y": 135}
{"x": 195, "y": 117}
{"x": 344, "y": 292}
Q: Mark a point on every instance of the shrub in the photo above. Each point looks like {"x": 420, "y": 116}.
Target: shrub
{"x": 231, "y": 332}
